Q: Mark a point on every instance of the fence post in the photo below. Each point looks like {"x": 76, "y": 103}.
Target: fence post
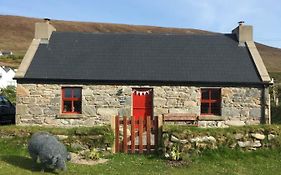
{"x": 160, "y": 128}
{"x": 117, "y": 124}
{"x": 125, "y": 142}
{"x": 112, "y": 124}
{"x": 148, "y": 129}
{"x": 140, "y": 134}
{"x": 132, "y": 134}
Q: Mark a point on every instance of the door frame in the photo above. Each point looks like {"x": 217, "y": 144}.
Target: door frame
{"x": 152, "y": 103}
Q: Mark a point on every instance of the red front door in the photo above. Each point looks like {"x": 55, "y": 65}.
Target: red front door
{"x": 142, "y": 103}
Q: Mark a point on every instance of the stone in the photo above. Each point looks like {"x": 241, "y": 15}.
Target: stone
{"x": 244, "y": 144}
{"x": 256, "y": 144}
{"x": 226, "y": 92}
{"x": 21, "y": 109}
{"x": 62, "y": 137}
{"x": 78, "y": 146}
{"x": 184, "y": 141}
{"x": 178, "y": 110}
{"x": 87, "y": 92}
{"x": 235, "y": 123}
{"x": 171, "y": 102}
{"x": 50, "y": 121}
{"x": 174, "y": 139}
{"x": 107, "y": 112}
{"x": 92, "y": 121}
{"x": 89, "y": 110}
{"x": 203, "y": 139}
{"x": 160, "y": 111}
{"x": 258, "y": 136}
{"x": 271, "y": 136}
{"x": 100, "y": 102}
{"x": 22, "y": 91}
{"x": 221, "y": 124}
{"x": 125, "y": 111}
{"x": 190, "y": 103}
{"x": 159, "y": 102}
{"x": 35, "y": 110}
{"x": 255, "y": 112}
{"x": 238, "y": 136}
{"x": 121, "y": 131}
{"x": 230, "y": 112}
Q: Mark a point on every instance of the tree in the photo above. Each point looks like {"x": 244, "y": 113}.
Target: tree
{"x": 10, "y": 93}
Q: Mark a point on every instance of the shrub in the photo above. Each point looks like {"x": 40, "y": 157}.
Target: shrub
{"x": 10, "y": 93}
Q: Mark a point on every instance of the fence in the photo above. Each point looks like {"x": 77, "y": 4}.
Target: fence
{"x": 137, "y": 136}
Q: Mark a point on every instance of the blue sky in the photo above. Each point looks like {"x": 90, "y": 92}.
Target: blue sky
{"x": 211, "y": 15}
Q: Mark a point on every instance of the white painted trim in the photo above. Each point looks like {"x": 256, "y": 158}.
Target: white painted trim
{"x": 27, "y": 59}
{"x": 258, "y": 62}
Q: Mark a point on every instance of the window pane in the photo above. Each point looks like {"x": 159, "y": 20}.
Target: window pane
{"x": 67, "y": 92}
{"x": 204, "y": 94}
{"x": 215, "y": 94}
{"x": 216, "y": 108}
{"x": 77, "y": 93}
{"x": 3, "y": 101}
{"x": 67, "y": 106}
{"x": 204, "y": 108}
{"x": 77, "y": 106}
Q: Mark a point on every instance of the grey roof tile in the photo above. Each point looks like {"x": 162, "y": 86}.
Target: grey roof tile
{"x": 143, "y": 57}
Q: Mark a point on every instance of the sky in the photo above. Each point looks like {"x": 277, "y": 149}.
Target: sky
{"x": 211, "y": 15}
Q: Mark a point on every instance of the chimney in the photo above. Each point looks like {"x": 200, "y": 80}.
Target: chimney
{"x": 43, "y": 30}
{"x": 243, "y": 33}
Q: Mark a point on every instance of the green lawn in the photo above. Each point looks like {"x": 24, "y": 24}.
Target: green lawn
{"x": 14, "y": 159}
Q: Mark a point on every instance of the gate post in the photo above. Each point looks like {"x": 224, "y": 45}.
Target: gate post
{"x": 160, "y": 128}
{"x": 112, "y": 124}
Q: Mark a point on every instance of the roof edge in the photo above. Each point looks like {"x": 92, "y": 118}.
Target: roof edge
{"x": 258, "y": 62}
{"x": 134, "y": 82}
{"x": 27, "y": 59}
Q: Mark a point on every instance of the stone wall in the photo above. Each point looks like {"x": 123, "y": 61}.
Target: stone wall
{"x": 185, "y": 142}
{"x": 40, "y": 104}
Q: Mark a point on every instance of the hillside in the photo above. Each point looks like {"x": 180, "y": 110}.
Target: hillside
{"x": 17, "y": 33}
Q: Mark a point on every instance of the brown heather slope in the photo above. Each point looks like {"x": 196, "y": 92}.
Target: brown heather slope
{"x": 17, "y": 32}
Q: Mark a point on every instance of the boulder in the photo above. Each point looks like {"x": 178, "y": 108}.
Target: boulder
{"x": 258, "y": 136}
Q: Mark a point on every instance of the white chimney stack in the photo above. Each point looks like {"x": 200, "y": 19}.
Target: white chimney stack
{"x": 243, "y": 33}
{"x": 43, "y": 30}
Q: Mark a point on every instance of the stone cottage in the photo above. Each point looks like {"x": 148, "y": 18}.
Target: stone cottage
{"x": 73, "y": 78}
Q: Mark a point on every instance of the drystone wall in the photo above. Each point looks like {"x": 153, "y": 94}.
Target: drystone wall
{"x": 183, "y": 142}
{"x": 40, "y": 104}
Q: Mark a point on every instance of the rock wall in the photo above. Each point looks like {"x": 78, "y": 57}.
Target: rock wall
{"x": 40, "y": 104}
{"x": 182, "y": 143}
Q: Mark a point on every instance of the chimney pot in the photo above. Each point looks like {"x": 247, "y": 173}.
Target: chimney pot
{"x": 47, "y": 20}
{"x": 241, "y": 23}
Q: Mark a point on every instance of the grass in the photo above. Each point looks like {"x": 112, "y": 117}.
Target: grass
{"x": 14, "y": 159}
{"x": 276, "y": 76}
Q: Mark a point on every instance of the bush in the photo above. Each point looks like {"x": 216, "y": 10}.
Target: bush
{"x": 10, "y": 93}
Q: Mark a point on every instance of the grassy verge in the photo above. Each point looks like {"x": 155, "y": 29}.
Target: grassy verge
{"x": 14, "y": 159}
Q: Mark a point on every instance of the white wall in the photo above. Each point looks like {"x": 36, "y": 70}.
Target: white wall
{"x": 6, "y": 78}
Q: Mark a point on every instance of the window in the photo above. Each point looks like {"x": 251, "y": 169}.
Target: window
{"x": 210, "y": 101}
{"x": 71, "y": 100}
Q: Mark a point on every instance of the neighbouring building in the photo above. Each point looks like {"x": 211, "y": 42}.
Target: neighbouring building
{"x": 6, "y": 77}
{"x": 73, "y": 78}
{"x": 6, "y": 53}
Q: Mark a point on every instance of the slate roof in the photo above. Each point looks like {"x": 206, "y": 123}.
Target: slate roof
{"x": 143, "y": 58}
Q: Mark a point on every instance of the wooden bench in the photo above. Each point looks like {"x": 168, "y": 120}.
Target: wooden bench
{"x": 187, "y": 118}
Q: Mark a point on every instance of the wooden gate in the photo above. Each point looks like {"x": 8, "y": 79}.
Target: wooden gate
{"x": 140, "y": 139}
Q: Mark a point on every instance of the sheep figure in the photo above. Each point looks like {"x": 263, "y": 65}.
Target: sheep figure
{"x": 51, "y": 153}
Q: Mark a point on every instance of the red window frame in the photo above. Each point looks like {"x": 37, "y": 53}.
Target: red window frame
{"x": 211, "y": 102}
{"x": 72, "y": 99}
